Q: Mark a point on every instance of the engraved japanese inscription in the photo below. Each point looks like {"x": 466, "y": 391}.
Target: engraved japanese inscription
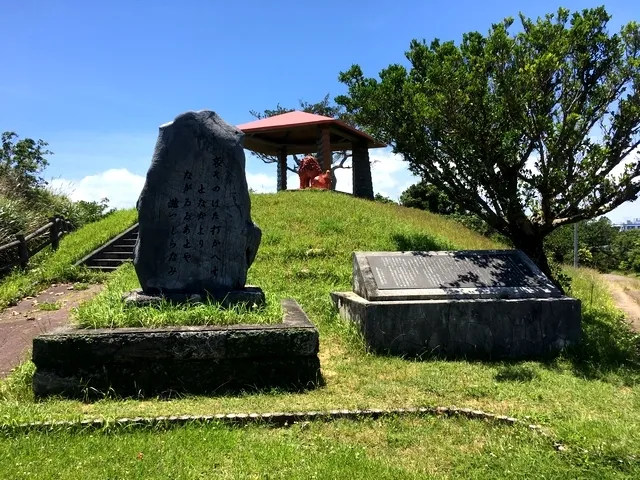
{"x": 462, "y": 270}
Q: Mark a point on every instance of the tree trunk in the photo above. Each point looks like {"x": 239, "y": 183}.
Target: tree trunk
{"x": 533, "y": 247}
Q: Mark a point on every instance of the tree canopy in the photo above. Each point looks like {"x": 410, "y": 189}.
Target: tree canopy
{"x": 529, "y": 130}
{"x": 426, "y": 196}
{"x": 22, "y": 162}
{"x": 26, "y": 200}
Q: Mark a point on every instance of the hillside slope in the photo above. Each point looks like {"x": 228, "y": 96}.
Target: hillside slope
{"x": 308, "y": 238}
{"x": 306, "y": 252}
{"x": 341, "y": 222}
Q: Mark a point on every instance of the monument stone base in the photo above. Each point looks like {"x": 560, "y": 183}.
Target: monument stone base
{"x": 250, "y": 297}
{"x": 150, "y": 362}
{"x": 489, "y": 304}
{"x": 513, "y": 329}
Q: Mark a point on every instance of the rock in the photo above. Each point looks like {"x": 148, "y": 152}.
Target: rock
{"x": 196, "y": 234}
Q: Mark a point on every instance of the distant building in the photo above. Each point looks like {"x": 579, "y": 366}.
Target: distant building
{"x": 628, "y": 225}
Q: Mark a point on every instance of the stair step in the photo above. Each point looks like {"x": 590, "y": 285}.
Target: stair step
{"x": 126, "y": 241}
{"x": 119, "y": 255}
{"x": 120, "y": 248}
{"x": 104, "y": 262}
{"x": 102, "y": 268}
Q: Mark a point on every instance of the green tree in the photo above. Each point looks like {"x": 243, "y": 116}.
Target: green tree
{"x": 324, "y": 107}
{"x": 626, "y": 250}
{"x": 596, "y": 235}
{"x": 524, "y": 130}
{"x": 22, "y": 162}
{"x": 426, "y": 196}
{"x": 378, "y": 197}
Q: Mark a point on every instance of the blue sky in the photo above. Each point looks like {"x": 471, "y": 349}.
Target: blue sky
{"x": 97, "y": 79}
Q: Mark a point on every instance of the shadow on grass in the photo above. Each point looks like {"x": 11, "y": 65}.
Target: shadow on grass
{"x": 92, "y": 395}
{"x": 418, "y": 242}
{"x": 516, "y": 373}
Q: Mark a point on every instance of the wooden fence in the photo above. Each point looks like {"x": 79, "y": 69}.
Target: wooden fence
{"x": 46, "y": 235}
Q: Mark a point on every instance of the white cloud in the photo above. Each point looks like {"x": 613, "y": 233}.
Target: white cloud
{"x": 261, "y": 182}
{"x": 626, "y": 211}
{"x": 344, "y": 180}
{"x": 120, "y": 186}
{"x": 389, "y": 174}
{"x": 293, "y": 182}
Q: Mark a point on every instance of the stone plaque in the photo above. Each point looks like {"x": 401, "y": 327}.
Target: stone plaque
{"x": 471, "y": 270}
{"x": 462, "y": 274}
{"x": 196, "y": 233}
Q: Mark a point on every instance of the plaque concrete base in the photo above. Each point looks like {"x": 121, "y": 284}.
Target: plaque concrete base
{"x": 249, "y": 296}
{"x": 470, "y": 328}
{"x": 145, "y": 362}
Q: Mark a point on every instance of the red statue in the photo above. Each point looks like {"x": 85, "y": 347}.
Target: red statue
{"x": 308, "y": 170}
{"x": 322, "y": 181}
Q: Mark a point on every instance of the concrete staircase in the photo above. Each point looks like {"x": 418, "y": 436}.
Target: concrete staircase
{"x": 113, "y": 253}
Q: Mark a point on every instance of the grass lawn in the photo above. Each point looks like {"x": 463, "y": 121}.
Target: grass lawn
{"x": 48, "y": 267}
{"x": 393, "y": 448}
{"x": 107, "y": 310}
{"x": 589, "y": 398}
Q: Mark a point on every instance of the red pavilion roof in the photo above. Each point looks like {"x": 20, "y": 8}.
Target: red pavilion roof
{"x": 298, "y": 132}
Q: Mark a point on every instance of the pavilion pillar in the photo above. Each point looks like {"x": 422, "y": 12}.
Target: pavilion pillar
{"x": 282, "y": 169}
{"x": 361, "y": 171}
{"x": 325, "y": 155}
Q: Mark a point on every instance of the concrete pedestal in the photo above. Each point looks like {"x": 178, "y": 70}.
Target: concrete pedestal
{"x": 469, "y": 328}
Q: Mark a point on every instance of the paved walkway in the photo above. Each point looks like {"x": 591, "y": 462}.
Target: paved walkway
{"x": 626, "y": 293}
{"x": 21, "y": 323}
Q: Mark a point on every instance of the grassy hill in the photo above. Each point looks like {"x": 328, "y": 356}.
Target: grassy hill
{"x": 307, "y": 241}
{"x": 588, "y": 398}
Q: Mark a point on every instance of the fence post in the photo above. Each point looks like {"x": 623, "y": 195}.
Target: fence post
{"x": 54, "y": 232}
{"x": 23, "y": 251}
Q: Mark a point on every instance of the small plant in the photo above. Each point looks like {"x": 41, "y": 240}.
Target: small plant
{"x": 49, "y": 306}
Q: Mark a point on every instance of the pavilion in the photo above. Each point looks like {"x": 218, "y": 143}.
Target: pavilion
{"x": 304, "y": 133}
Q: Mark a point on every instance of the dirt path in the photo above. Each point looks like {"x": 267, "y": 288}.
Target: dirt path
{"x": 21, "y": 323}
{"x": 626, "y": 293}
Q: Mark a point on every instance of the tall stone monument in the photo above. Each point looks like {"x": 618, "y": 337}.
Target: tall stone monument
{"x": 196, "y": 236}
{"x": 196, "y": 242}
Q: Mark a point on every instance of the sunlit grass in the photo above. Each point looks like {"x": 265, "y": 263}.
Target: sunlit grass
{"x": 414, "y": 447}
{"x": 589, "y": 397}
{"x": 107, "y": 310}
